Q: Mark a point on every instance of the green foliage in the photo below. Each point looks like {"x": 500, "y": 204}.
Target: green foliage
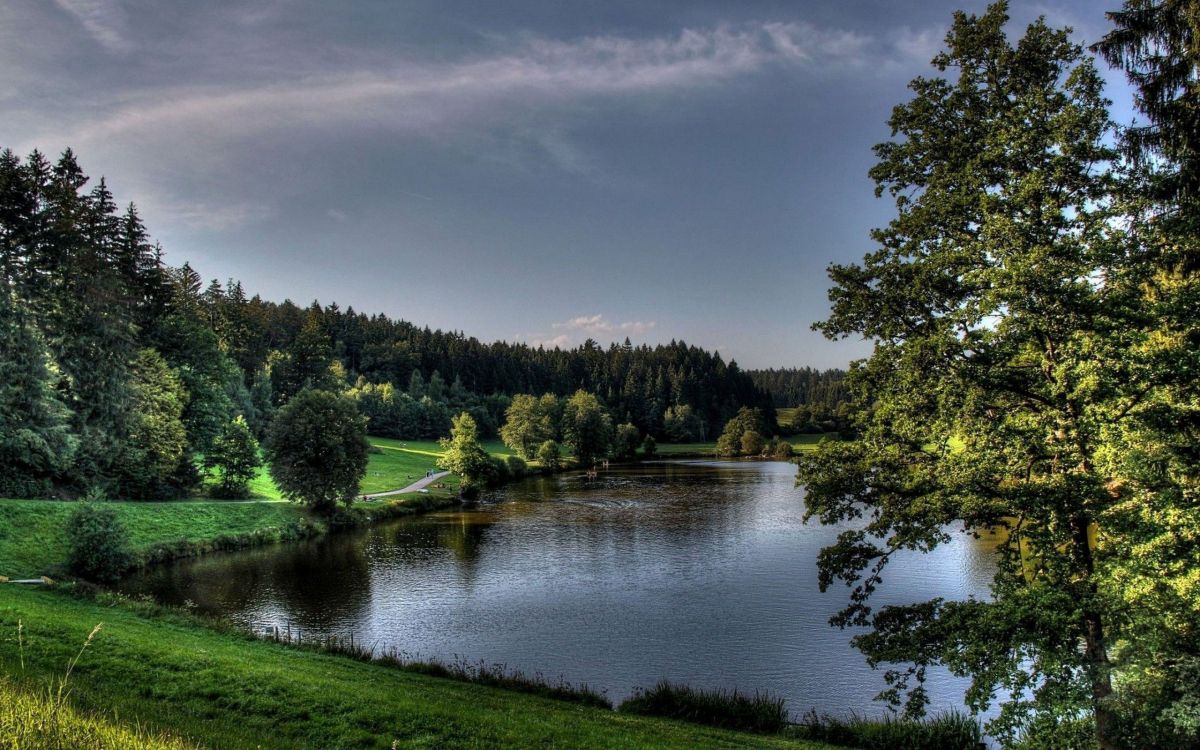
{"x": 530, "y": 421}
{"x": 463, "y": 455}
{"x": 747, "y": 420}
{"x": 234, "y": 456}
{"x": 625, "y": 442}
{"x": 396, "y": 414}
{"x": 587, "y": 427}
{"x": 515, "y": 467}
{"x": 649, "y": 447}
{"x": 681, "y": 424}
{"x": 317, "y": 449}
{"x": 157, "y": 439}
{"x": 99, "y": 543}
{"x": 761, "y": 712}
{"x": 1025, "y": 352}
{"x": 752, "y": 443}
{"x": 36, "y": 443}
{"x": 549, "y": 455}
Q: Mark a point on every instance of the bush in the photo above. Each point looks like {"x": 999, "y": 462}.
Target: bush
{"x": 949, "y": 731}
{"x": 99, "y": 543}
{"x": 752, "y": 443}
{"x": 516, "y": 467}
{"x": 761, "y": 712}
{"x": 549, "y": 455}
{"x": 649, "y": 446}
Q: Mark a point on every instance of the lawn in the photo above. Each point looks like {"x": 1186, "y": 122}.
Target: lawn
{"x": 223, "y": 689}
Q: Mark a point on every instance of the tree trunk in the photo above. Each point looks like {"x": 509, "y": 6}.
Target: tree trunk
{"x": 1095, "y": 653}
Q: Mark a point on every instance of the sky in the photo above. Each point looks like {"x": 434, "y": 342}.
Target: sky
{"x": 521, "y": 170}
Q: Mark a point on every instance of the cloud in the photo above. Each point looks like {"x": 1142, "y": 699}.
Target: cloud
{"x": 598, "y": 326}
{"x": 104, "y": 21}
{"x": 415, "y": 95}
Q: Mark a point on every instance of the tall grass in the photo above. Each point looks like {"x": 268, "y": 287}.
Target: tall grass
{"x": 45, "y": 720}
{"x": 947, "y": 731}
{"x": 463, "y": 670}
{"x": 762, "y": 712}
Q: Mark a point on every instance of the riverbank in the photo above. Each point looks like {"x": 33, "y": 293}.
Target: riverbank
{"x": 221, "y": 688}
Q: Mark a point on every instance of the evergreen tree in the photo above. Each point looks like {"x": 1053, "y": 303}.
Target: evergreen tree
{"x": 36, "y": 443}
{"x": 158, "y": 440}
{"x": 234, "y": 456}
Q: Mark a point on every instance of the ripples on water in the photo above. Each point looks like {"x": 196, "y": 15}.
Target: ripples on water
{"x": 700, "y": 572}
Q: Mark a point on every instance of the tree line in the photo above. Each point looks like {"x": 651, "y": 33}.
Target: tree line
{"x": 119, "y": 370}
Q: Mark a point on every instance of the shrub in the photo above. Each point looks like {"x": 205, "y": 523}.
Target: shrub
{"x": 516, "y": 467}
{"x": 625, "y": 441}
{"x": 99, "y": 544}
{"x": 549, "y": 455}
{"x": 752, "y": 443}
{"x": 761, "y": 712}
{"x": 649, "y": 446}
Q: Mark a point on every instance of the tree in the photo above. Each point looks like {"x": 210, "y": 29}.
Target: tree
{"x": 587, "y": 427}
{"x": 626, "y": 440}
{"x": 746, "y": 420}
{"x": 234, "y": 456}
{"x": 99, "y": 543}
{"x": 317, "y": 449}
{"x": 649, "y": 447}
{"x": 682, "y": 425}
{"x": 36, "y": 444}
{"x": 549, "y": 455}
{"x": 462, "y": 454}
{"x": 752, "y": 443}
{"x": 157, "y": 439}
{"x": 530, "y": 421}
{"x": 1008, "y": 328}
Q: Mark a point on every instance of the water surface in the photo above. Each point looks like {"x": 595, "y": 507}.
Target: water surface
{"x": 701, "y": 572}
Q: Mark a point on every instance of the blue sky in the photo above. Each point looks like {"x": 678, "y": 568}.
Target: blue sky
{"x": 534, "y": 171}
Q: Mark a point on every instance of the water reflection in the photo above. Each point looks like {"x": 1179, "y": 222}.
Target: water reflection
{"x": 696, "y": 571}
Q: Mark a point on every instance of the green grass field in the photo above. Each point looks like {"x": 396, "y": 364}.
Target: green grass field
{"x": 799, "y": 442}
{"x": 223, "y": 689}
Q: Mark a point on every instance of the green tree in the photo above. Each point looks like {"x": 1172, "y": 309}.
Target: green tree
{"x": 682, "y": 425}
{"x": 463, "y": 455}
{"x": 306, "y": 363}
{"x": 234, "y": 456}
{"x": 747, "y": 419}
{"x": 1007, "y": 321}
{"x": 549, "y": 455}
{"x": 530, "y": 421}
{"x": 626, "y": 440}
{"x": 98, "y": 543}
{"x": 649, "y": 447}
{"x": 157, "y": 440}
{"x": 317, "y": 449}
{"x": 36, "y": 443}
{"x": 587, "y": 427}
{"x": 752, "y": 443}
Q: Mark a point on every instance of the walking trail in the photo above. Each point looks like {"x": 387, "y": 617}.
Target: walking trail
{"x": 414, "y": 487}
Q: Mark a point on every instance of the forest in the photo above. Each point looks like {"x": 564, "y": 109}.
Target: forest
{"x": 119, "y": 370}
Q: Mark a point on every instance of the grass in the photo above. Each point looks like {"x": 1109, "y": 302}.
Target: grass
{"x": 761, "y": 712}
{"x": 221, "y": 689}
{"x": 799, "y": 442}
{"x": 39, "y": 720}
{"x": 948, "y": 731}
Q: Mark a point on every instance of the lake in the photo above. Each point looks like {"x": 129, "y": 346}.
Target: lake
{"x": 697, "y": 571}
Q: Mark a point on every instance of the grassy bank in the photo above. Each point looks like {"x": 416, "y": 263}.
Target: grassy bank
{"x": 222, "y": 689}
{"x": 679, "y": 450}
